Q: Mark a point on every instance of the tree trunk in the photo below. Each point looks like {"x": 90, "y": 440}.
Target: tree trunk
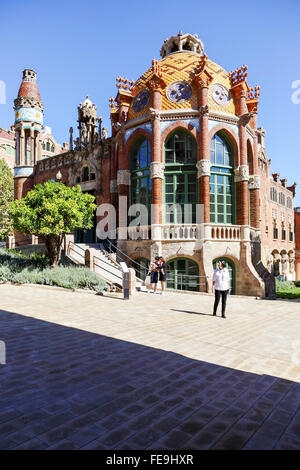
{"x": 54, "y": 247}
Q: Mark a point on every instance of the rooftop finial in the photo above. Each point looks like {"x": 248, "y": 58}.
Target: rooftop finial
{"x": 182, "y": 43}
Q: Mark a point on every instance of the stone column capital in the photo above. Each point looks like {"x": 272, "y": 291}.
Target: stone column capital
{"x": 203, "y": 167}
{"x": 123, "y": 177}
{"x": 241, "y": 173}
{"x": 254, "y": 182}
{"x": 157, "y": 170}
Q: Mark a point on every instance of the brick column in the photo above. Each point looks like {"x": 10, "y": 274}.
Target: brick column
{"x": 254, "y": 182}
{"x": 156, "y": 86}
{"x": 201, "y": 81}
{"x": 203, "y": 164}
{"x": 242, "y": 172}
{"x": 254, "y": 179}
{"x": 124, "y": 99}
{"x": 157, "y": 168}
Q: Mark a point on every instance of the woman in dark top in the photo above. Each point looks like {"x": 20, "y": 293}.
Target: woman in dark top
{"x": 162, "y": 274}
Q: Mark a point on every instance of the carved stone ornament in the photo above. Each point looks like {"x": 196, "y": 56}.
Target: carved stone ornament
{"x": 113, "y": 186}
{"x": 204, "y": 110}
{"x": 123, "y": 177}
{"x": 220, "y": 94}
{"x": 157, "y": 170}
{"x": 245, "y": 118}
{"x": 254, "y": 182}
{"x": 241, "y": 173}
{"x": 203, "y": 167}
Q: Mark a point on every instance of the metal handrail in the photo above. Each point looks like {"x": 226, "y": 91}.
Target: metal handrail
{"x": 128, "y": 257}
{"x": 101, "y": 267}
{"x": 73, "y": 248}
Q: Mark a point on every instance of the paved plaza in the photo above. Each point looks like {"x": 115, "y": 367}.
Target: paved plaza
{"x": 85, "y": 371}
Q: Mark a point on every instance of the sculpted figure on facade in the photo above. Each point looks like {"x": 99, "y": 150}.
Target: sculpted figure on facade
{"x": 203, "y": 167}
{"x": 157, "y": 170}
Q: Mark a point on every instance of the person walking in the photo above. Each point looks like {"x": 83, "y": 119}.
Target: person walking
{"x": 162, "y": 274}
{"x": 221, "y": 283}
{"x": 154, "y": 271}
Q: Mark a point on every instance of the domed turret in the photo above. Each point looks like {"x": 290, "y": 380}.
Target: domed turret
{"x": 28, "y": 124}
{"x": 29, "y": 88}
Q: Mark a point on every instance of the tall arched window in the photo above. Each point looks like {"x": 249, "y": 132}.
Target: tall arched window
{"x": 222, "y": 210}
{"x": 180, "y": 176}
{"x": 141, "y": 183}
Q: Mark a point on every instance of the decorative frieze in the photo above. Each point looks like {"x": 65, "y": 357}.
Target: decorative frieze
{"x": 157, "y": 170}
{"x": 254, "y": 182}
{"x": 203, "y": 167}
{"x": 241, "y": 173}
{"x": 113, "y": 186}
{"x": 123, "y": 177}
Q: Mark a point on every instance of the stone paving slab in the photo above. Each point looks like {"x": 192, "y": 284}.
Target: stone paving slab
{"x": 93, "y": 372}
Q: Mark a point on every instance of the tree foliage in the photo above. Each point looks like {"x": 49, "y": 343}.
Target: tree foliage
{"x": 50, "y": 211}
{"x": 6, "y": 197}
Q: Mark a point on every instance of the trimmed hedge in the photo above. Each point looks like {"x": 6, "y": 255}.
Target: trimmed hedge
{"x": 21, "y": 269}
{"x": 287, "y": 289}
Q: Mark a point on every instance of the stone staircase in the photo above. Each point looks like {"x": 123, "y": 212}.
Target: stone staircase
{"x": 104, "y": 263}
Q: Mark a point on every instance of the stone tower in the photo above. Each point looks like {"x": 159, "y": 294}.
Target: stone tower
{"x": 28, "y": 127}
{"x": 87, "y": 123}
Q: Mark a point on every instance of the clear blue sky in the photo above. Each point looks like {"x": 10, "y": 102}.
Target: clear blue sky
{"x": 80, "y": 47}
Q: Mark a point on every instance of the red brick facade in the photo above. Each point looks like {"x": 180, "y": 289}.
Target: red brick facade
{"x": 201, "y": 115}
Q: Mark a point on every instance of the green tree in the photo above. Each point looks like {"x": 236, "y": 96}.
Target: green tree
{"x": 6, "y": 197}
{"x": 50, "y": 211}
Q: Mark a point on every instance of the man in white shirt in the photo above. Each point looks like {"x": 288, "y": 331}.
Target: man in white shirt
{"x": 221, "y": 283}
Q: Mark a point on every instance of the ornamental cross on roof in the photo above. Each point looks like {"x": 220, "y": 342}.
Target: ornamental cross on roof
{"x": 112, "y": 103}
{"x": 253, "y": 93}
{"x": 238, "y": 75}
{"x": 124, "y": 84}
{"x": 202, "y": 63}
{"x": 156, "y": 68}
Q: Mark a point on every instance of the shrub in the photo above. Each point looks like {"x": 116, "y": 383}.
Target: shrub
{"x": 22, "y": 269}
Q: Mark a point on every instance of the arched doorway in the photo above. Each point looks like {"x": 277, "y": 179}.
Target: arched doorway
{"x": 182, "y": 274}
{"x": 231, "y": 269}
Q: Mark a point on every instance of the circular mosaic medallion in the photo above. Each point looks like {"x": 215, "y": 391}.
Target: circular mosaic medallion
{"x": 179, "y": 91}
{"x": 220, "y": 94}
{"x": 141, "y": 100}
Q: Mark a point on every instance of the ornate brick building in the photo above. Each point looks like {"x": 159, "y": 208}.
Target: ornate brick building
{"x": 185, "y": 133}
{"x": 297, "y": 233}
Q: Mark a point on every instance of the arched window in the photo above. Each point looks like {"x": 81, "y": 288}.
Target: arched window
{"x": 180, "y": 148}
{"x": 183, "y": 274}
{"x": 231, "y": 268}
{"x": 48, "y": 146}
{"x": 181, "y": 187}
{"x": 222, "y": 207}
{"x": 52, "y": 148}
{"x": 141, "y": 183}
